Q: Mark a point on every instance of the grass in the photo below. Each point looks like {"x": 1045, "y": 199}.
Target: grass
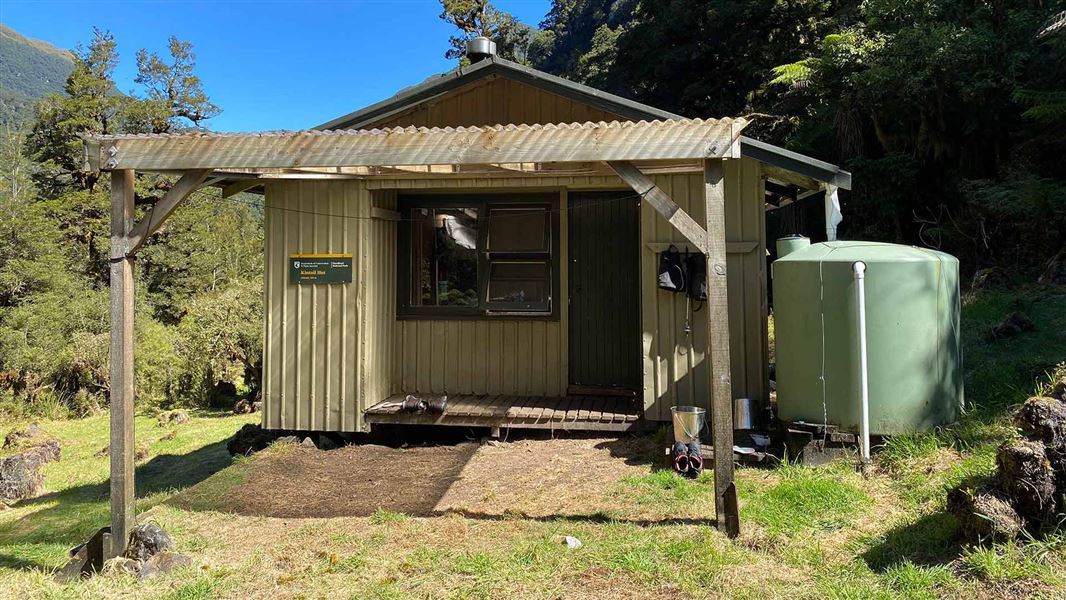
{"x": 825, "y": 532}
{"x": 807, "y": 499}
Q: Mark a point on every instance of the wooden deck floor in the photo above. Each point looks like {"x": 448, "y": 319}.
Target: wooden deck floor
{"x": 572, "y": 413}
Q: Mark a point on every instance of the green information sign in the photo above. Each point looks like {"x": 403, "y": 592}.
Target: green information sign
{"x": 307, "y": 269}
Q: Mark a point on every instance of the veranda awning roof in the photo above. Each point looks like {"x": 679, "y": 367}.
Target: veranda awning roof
{"x": 675, "y": 140}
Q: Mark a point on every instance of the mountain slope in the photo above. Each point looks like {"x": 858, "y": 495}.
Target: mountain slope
{"x": 29, "y": 70}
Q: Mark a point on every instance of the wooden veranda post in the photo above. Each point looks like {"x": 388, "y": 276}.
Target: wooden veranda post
{"x": 726, "y": 509}
{"x": 122, "y": 390}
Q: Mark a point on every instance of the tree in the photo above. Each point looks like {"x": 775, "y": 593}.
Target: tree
{"x": 943, "y": 92}
{"x": 173, "y": 92}
{"x": 89, "y": 105}
{"x": 579, "y": 39}
{"x": 55, "y": 246}
{"x": 206, "y": 246}
{"x": 476, "y": 18}
{"x": 220, "y": 341}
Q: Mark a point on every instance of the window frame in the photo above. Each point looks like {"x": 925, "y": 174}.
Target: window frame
{"x": 483, "y": 202}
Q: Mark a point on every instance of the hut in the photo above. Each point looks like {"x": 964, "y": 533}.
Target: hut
{"x": 493, "y": 234}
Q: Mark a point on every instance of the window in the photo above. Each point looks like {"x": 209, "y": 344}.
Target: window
{"x": 478, "y": 255}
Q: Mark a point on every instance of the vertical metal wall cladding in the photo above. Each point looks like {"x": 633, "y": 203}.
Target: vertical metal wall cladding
{"x": 912, "y": 312}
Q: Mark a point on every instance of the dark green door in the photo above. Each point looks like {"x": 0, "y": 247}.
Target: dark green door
{"x": 604, "y": 255}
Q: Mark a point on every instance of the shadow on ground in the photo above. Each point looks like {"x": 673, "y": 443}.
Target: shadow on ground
{"x": 931, "y": 540}
{"x": 645, "y": 451}
{"x": 353, "y": 481}
{"x": 599, "y": 518}
{"x": 69, "y": 517}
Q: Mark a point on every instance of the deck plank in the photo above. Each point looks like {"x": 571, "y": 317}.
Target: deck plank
{"x": 534, "y": 412}
{"x": 596, "y": 410}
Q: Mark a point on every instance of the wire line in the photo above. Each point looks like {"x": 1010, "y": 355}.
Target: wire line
{"x": 261, "y": 205}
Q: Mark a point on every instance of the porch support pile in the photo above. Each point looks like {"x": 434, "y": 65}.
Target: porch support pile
{"x": 127, "y": 236}
{"x": 710, "y": 239}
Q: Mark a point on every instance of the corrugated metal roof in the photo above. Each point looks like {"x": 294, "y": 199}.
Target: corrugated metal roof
{"x": 1052, "y": 26}
{"x": 552, "y": 142}
{"x": 588, "y": 125}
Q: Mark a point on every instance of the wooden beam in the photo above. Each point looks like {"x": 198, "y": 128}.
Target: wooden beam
{"x": 681, "y": 139}
{"x": 376, "y": 212}
{"x": 151, "y": 222}
{"x": 241, "y": 186}
{"x": 661, "y": 202}
{"x": 726, "y": 510}
{"x": 123, "y": 516}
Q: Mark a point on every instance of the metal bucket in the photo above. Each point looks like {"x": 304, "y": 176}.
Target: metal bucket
{"x": 743, "y": 414}
{"x": 688, "y": 423}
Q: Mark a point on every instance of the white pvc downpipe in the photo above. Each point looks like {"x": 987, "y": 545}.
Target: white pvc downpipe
{"x": 833, "y": 215}
{"x": 859, "y": 270}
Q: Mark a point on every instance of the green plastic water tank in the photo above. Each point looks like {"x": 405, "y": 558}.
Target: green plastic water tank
{"x": 912, "y": 327}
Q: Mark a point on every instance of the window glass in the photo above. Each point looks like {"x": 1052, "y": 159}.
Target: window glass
{"x": 444, "y": 257}
{"x": 519, "y": 230}
{"x": 519, "y": 285}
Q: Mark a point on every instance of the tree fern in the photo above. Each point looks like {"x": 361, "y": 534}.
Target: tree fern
{"x": 1047, "y": 107}
{"x": 797, "y": 73}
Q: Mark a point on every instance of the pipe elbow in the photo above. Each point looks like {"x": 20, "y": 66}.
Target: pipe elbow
{"x": 859, "y": 269}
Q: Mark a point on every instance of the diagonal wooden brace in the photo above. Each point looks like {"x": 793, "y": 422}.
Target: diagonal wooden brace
{"x": 661, "y": 202}
{"x": 151, "y": 222}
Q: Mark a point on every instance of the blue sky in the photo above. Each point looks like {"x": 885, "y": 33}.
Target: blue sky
{"x": 270, "y": 65}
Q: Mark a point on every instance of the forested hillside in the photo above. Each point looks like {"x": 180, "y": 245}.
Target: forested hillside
{"x": 29, "y": 70}
{"x": 199, "y": 302}
{"x": 950, "y": 113}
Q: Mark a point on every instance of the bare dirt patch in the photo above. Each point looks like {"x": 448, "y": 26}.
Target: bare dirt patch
{"x": 538, "y": 478}
{"x": 528, "y": 477}
{"x": 353, "y": 481}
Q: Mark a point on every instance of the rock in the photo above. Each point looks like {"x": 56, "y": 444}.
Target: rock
{"x": 31, "y": 436}
{"x": 572, "y": 542}
{"x": 164, "y": 562}
{"x": 246, "y": 406}
{"x": 308, "y": 443}
{"x": 147, "y": 540}
{"x": 984, "y": 514}
{"x": 121, "y": 565}
{"x": 1043, "y": 419}
{"x": 20, "y": 474}
{"x": 141, "y": 451}
{"x": 1026, "y": 477}
{"x": 1015, "y": 323}
{"x": 990, "y": 278}
{"x": 1058, "y": 389}
{"x": 250, "y": 439}
{"x": 287, "y": 439}
{"x": 173, "y": 417}
{"x": 44, "y": 452}
{"x": 326, "y": 442}
{"x": 19, "y": 479}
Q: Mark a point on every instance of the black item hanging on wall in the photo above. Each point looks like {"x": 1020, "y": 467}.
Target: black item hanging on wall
{"x": 696, "y": 267}
{"x": 671, "y": 270}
